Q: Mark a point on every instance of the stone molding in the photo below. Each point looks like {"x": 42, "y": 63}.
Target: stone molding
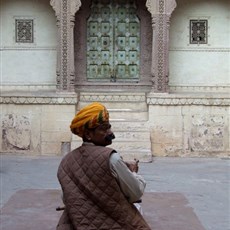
{"x": 28, "y": 48}
{"x": 49, "y": 88}
{"x": 20, "y": 88}
{"x": 116, "y": 97}
{"x": 174, "y": 100}
{"x": 199, "y": 89}
{"x": 198, "y": 49}
{"x": 26, "y": 100}
{"x": 152, "y": 99}
{"x": 105, "y": 87}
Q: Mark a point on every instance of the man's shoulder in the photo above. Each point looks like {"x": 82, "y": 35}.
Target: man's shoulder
{"x": 89, "y": 150}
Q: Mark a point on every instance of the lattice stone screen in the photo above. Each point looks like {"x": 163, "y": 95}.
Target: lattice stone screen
{"x": 198, "y": 31}
{"x": 24, "y": 30}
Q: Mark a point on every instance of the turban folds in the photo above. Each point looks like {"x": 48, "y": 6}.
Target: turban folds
{"x": 89, "y": 117}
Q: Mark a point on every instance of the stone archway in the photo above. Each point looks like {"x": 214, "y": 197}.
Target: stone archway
{"x": 160, "y": 12}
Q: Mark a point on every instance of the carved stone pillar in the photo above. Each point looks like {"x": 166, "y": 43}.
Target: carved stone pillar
{"x": 65, "y": 12}
{"x": 161, "y": 11}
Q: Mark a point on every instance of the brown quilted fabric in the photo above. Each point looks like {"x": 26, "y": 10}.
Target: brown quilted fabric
{"x": 92, "y": 195}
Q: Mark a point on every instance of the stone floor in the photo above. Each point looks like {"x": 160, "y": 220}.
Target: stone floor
{"x": 181, "y": 193}
{"x": 35, "y": 209}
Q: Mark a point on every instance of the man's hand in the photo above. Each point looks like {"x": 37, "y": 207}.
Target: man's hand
{"x": 133, "y": 165}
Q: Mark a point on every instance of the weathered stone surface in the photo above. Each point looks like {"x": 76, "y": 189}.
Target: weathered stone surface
{"x": 35, "y": 130}
{"x": 16, "y": 133}
{"x": 35, "y": 209}
{"x": 164, "y": 129}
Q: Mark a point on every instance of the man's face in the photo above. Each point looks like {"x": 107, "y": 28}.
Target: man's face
{"x": 101, "y": 135}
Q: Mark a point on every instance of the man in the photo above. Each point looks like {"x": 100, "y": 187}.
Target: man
{"x": 99, "y": 188}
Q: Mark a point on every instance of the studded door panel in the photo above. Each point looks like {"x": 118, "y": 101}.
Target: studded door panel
{"x": 113, "y": 38}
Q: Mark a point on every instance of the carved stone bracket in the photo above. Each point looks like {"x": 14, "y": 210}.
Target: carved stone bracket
{"x": 65, "y": 12}
{"x": 161, "y": 11}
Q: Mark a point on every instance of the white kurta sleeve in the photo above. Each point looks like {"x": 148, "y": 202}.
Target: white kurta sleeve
{"x": 131, "y": 184}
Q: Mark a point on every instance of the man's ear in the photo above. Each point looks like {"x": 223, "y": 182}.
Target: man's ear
{"x": 87, "y": 135}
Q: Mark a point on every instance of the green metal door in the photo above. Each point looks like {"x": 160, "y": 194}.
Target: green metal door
{"x": 113, "y": 38}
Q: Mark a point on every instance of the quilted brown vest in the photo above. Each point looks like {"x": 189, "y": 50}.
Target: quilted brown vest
{"x": 93, "y": 198}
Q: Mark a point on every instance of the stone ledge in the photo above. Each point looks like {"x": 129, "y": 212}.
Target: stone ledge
{"x": 191, "y": 89}
{"x": 152, "y": 99}
{"x": 113, "y": 97}
{"x": 56, "y": 100}
{"x": 188, "y": 99}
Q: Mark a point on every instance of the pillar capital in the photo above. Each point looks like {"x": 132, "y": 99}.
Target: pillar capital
{"x": 160, "y": 6}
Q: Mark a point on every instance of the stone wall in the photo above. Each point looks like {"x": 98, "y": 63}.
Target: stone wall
{"x": 200, "y": 64}
{"x": 36, "y": 125}
{"x": 144, "y": 125}
{"x": 38, "y": 103}
{"x": 28, "y": 64}
{"x": 191, "y": 125}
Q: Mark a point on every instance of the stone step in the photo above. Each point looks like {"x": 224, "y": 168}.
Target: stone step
{"x": 127, "y": 140}
{"x": 132, "y": 140}
{"x": 119, "y": 125}
{"x": 139, "y": 106}
{"x": 127, "y": 112}
{"x": 128, "y": 115}
{"x": 129, "y": 150}
{"x": 128, "y": 131}
{"x": 138, "y": 136}
{"x": 129, "y": 120}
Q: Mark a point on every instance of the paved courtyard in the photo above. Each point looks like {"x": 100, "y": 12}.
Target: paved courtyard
{"x": 181, "y": 193}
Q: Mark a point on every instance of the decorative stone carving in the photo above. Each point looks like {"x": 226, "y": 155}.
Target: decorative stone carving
{"x": 56, "y": 4}
{"x": 160, "y": 11}
{"x": 65, "y": 100}
{"x": 152, "y": 99}
{"x": 189, "y": 99}
{"x": 138, "y": 97}
{"x": 65, "y": 11}
{"x": 74, "y": 7}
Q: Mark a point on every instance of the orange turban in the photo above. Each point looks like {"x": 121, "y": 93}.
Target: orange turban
{"x": 90, "y": 117}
